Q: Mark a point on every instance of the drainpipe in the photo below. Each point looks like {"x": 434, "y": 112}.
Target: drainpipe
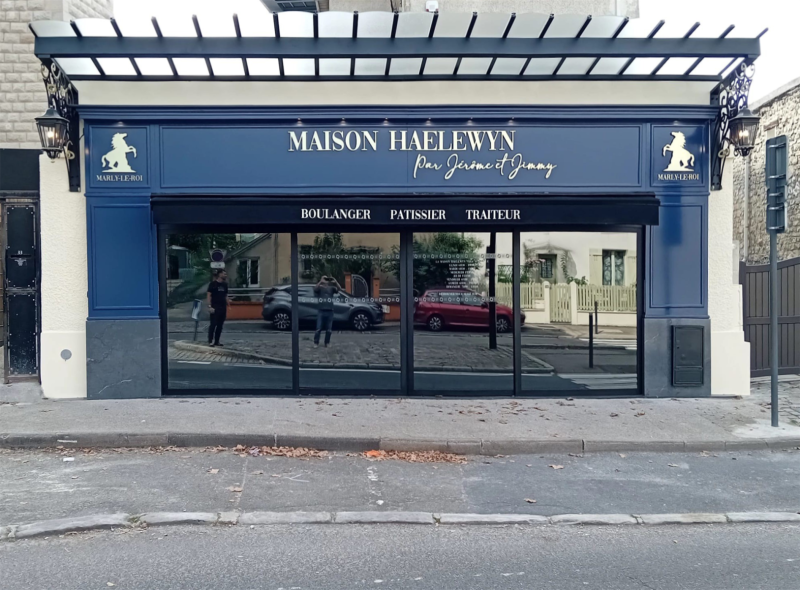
{"x": 745, "y": 208}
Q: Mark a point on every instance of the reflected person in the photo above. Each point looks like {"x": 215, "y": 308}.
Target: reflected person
{"x": 218, "y": 304}
{"x": 325, "y": 291}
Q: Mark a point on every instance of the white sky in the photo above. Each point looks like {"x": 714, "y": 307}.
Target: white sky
{"x": 780, "y": 47}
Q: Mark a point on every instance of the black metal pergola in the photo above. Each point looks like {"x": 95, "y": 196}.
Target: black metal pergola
{"x": 398, "y": 47}
{"x": 393, "y": 47}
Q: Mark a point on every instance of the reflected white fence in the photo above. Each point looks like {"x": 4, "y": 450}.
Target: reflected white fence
{"x": 570, "y": 303}
{"x": 608, "y": 297}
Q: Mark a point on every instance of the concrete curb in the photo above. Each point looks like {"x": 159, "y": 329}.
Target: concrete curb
{"x": 354, "y": 443}
{"x": 61, "y": 526}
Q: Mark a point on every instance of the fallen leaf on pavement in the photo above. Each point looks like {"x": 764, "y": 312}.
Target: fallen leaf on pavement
{"x": 416, "y": 456}
{"x": 556, "y": 466}
{"x": 213, "y": 471}
{"x": 530, "y": 501}
{"x": 294, "y": 452}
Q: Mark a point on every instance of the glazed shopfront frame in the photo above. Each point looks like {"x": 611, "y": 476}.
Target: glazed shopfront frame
{"x": 152, "y": 171}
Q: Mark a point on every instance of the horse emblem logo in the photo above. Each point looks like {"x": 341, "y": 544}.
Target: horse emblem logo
{"x": 682, "y": 160}
{"x": 117, "y": 159}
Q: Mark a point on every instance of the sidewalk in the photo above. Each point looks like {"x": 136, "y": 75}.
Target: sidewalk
{"x": 480, "y": 426}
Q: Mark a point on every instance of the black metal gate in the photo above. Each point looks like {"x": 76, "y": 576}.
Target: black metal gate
{"x": 755, "y": 293}
{"x": 21, "y": 290}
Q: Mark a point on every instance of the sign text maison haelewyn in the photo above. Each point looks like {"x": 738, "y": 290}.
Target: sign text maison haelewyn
{"x": 453, "y": 141}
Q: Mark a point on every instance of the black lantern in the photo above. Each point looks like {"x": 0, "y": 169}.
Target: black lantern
{"x": 743, "y": 129}
{"x": 53, "y": 131}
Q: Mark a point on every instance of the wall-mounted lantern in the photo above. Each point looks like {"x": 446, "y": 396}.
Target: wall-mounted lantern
{"x": 53, "y": 133}
{"x": 736, "y": 126}
{"x": 743, "y": 130}
{"x": 58, "y": 126}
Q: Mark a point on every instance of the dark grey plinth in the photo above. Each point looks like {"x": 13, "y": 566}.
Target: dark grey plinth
{"x": 658, "y": 358}
{"x": 123, "y": 359}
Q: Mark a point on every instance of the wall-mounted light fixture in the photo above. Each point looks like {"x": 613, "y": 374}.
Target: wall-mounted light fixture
{"x": 58, "y": 126}
{"x": 736, "y": 126}
{"x": 743, "y": 129}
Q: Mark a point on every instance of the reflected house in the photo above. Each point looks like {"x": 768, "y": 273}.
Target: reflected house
{"x": 360, "y": 262}
{"x": 601, "y": 265}
{"x": 254, "y": 267}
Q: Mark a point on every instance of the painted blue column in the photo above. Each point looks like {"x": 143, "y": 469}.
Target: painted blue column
{"x": 123, "y": 331}
{"x": 676, "y": 278}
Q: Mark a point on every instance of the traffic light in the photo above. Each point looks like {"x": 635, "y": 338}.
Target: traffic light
{"x": 777, "y": 159}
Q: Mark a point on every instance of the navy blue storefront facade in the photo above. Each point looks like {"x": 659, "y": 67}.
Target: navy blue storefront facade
{"x": 155, "y": 170}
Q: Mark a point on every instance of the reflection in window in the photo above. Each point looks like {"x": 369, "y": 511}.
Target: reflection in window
{"x": 547, "y": 264}
{"x": 463, "y": 312}
{"x": 247, "y": 272}
{"x": 582, "y": 275}
{"x": 349, "y": 311}
{"x": 251, "y": 295}
{"x": 613, "y": 267}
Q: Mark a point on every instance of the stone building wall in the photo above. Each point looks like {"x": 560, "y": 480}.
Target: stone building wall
{"x": 22, "y": 94}
{"x": 780, "y": 115}
{"x": 594, "y": 7}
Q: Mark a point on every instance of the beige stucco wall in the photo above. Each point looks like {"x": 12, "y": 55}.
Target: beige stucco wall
{"x": 64, "y": 283}
{"x": 393, "y": 93}
{"x": 730, "y": 354}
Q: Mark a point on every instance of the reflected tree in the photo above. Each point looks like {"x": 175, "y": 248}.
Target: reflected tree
{"x": 433, "y": 257}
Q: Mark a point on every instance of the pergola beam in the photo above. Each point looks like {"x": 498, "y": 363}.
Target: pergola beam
{"x": 307, "y": 47}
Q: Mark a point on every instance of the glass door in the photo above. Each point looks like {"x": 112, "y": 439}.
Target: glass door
{"x": 227, "y": 300}
{"x": 463, "y": 313}
{"x": 349, "y": 312}
{"x": 571, "y": 281}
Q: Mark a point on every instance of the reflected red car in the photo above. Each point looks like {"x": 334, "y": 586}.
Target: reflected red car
{"x": 438, "y": 309}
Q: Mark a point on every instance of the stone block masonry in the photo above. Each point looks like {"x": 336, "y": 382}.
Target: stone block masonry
{"x": 780, "y": 115}
{"x": 22, "y": 95}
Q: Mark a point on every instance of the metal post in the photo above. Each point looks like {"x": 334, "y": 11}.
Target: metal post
{"x": 773, "y": 321}
{"x": 746, "y": 208}
{"x": 517, "y": 290}
{"x": 295, "y": 261}
{"x": 591, "y": 341}
{"x": 596, "y": 319}
{"x": 491, "y": 266}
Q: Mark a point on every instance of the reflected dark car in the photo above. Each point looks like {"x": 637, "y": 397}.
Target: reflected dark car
{"x": 357, "y": 313}
{"x": 441, "y": 308}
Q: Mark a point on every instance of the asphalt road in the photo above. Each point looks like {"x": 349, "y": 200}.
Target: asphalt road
{"x": 334, "y": 557}
{"x": 41, "y": 485}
